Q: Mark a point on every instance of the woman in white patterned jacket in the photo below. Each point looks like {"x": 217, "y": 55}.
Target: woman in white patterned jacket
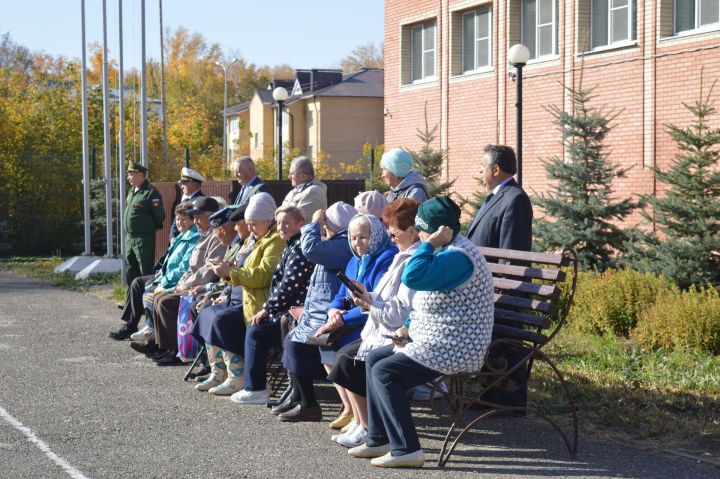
{"x": 450, "y": 329}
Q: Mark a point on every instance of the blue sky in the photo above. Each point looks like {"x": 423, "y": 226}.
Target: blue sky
{"x": 315, "y": 33}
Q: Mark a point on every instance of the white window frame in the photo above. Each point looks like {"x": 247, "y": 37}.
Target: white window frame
{"x": 610, "y": 25}
{"x": 477, "y": 68}
{"x": 697, "y": 27}
{"x": 533, "y": 55}
{"x": 424, "y": 27}
{"x": 234, "y": 126}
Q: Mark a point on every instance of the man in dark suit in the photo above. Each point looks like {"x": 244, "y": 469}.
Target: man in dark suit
{"x": 249, "y": 182}
{"x": 504, "y": 221}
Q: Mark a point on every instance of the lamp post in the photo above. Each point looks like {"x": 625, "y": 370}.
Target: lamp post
{"x": 225, "y": 67}
{"x": 280, "y": 94}
{"x": 518, "y": 56}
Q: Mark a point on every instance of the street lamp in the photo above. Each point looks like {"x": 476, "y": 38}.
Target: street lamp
{"x": 280, "y": 94}
{"x": 225, "y": 67}
{"x": 518, "y": 56}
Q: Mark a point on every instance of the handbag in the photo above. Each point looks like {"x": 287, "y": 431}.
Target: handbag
{"x": 333, "y": 338}
{"x": 187, "y": 344}
{"x": 289, "y": 320}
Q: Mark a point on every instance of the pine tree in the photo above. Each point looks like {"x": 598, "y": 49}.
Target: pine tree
{"x": 687, "y": 250}
{"x": 580, "y": 210}
{"x": 429, "y": 162}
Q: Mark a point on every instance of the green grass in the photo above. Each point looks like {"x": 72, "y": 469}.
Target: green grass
{"x": 42, "y": 268}
{"x": 625, "y": 392}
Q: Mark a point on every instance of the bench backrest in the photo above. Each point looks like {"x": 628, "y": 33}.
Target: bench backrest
{"x": 530, "y": 304}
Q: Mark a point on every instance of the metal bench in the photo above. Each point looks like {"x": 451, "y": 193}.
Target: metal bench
{"x": 530, "y": 309}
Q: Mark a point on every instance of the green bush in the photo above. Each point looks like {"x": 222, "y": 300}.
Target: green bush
{"x": 611, "y": 302}
{"x": 687, "y": 321}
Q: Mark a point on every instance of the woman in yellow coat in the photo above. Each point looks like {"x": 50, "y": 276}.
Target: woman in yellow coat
{"x": 254, "y": 276}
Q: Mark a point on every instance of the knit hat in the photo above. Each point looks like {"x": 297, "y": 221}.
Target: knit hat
{"x": 371, "y": 202}
{"x": 437, "y": 212}
{"x": 398, "y": 161}
{"x": 261, "y": 207}
{"x": 338, "y": 216}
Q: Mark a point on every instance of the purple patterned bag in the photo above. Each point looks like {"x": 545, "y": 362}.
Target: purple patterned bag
{"x": 187, "y": 345}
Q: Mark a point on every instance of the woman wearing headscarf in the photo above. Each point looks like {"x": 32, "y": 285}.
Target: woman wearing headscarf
{"x": 373, "y": 252}
{"x": 389, "y": 306}
{"x": 450, "y": 329}
{"x": 254, "y": 276}
{"x": 288, "y": 288}
{"x": 398, "y": 173}
{"x": 301, "y": 359}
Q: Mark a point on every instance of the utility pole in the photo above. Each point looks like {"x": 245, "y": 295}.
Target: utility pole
{"x": 143, "y": 91}
{"x": 162, "y": 89}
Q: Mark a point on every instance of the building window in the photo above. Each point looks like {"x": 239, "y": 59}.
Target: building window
{"x": 422, "y": 52}
{"x": 234, "y": 123}
{"x": 311, "y": 152}
{"x": 539, "y": 27}
{"x": 257, "y": 140}
{"x": 696, "y": 14}
{"x": 612, "y": 21}
{"x": 476, "y": 40}
{"x": 310, "y": 118}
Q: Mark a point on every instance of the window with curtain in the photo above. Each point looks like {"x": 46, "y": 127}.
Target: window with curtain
{"x": 612, "y": 21}
{"x": 476, "y": 40}
{"x": 422, "y": 51}
{"x": 695, "y": 14}
{"x": 539, "y": 27}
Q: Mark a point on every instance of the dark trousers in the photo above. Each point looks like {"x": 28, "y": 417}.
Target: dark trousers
{"x": 165, "y": 316}
{"x": 139, "y": 256}
{"x": 258, "y": 340}
{"x": 133, "y": 310}
{"x": 389, "y": 376}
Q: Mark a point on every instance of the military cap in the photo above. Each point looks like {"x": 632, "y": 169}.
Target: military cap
{"x": 135, "y": 167}
{"x": 221, "y": 217}
{"x": 204, "y": 204}
{"x": 237, "y": 212}
{"x": 188, "y": 174}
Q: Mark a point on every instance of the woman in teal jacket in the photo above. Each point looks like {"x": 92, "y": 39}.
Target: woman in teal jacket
{"x": 176, "y": 263}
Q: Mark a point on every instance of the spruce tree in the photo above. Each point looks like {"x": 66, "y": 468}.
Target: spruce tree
{"x": 580, "y": 210}
{"x": 687, "y": 216}
{"x": 429, "y": 162}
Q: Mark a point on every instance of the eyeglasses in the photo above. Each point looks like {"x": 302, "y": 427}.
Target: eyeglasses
{"x": 394, "y": 234}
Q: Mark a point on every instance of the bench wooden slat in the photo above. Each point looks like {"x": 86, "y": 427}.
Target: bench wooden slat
{"x": 555, "y": 275}
{"x": 521, "y": 318}
{"x": 529, "y": 256}
{"x": 546, "y": 290}
{"x": 502, "y": 331}
{"x": 525, "y": 303}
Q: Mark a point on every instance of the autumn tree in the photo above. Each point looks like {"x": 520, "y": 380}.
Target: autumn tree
{"x": 367, "y": 55}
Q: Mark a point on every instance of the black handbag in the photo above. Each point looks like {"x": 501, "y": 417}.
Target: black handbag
{"x": 333, "y": 338}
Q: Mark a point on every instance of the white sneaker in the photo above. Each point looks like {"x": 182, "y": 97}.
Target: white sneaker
{"x": 414, "y": 459}
{"x": 357, "y": 438}
{"x": 143, "y": 334}
{"x": 368, "y": 452}
{"x": 251, "y": 397}
{"x": 351, "y": 428}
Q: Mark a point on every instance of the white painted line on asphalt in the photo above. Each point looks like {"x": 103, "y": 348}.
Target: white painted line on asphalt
{"x": 42, "y": 445}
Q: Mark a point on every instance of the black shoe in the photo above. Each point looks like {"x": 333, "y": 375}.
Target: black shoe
{"x": 123, "y": 333}
{"x": 283, "y": 397}
{"x": 146, "y": 349}
{"x": 205, "y": 371}
{"x": 169, "y": 359}
{"x": 284, "y": 407}
{"x": 302, "y": 414}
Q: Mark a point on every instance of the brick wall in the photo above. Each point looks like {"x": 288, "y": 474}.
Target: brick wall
{"x": 644, "y": 82}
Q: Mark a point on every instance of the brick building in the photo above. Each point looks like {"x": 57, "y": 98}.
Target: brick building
{"x": 642, "y": 57}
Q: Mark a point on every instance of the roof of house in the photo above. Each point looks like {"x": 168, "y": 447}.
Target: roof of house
{"x": 367, "y": 82}
{"x": 235, "y": 109}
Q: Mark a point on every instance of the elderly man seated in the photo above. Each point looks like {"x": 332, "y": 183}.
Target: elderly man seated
{"x": 308, "y": 193}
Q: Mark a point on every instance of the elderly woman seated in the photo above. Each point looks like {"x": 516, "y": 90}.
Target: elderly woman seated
{"x": 221, "y": 326}
{"x": 371, "y": 203}
{"x": 210, "y": 247}
{"x": 450, "y": 329}
{"x": 389, "y": 305}
{"x": 288, "y": 288}
{"x": 301, "y": 359}
{"x": 372, "y": 255}
{"x": 174, "y": 265}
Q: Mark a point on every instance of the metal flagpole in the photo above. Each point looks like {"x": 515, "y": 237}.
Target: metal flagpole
{"x": 106, "y": 138}
{"x": 121, "y": 155}
{"x": 162, "y": 90}
{"x": 85, "y": 149}
{"x": 143, "y": 90}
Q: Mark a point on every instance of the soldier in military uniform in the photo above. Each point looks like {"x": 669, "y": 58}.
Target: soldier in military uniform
{"x": 144, "y": 214}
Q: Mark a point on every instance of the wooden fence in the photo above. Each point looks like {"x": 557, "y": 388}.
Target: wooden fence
{"x": 337, "y": 190}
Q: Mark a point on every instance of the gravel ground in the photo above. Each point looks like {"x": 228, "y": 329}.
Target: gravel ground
{"x": 109, "y": 412}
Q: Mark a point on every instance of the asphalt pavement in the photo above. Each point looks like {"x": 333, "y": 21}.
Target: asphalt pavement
{"x": 76, "y": 404}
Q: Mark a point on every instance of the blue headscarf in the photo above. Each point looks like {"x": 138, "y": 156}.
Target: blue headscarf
{"x": 378, "y": 243}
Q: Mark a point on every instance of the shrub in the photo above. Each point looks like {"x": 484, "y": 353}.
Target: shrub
{"x": 687, "y": 321}
{"x": 611, "y": 302}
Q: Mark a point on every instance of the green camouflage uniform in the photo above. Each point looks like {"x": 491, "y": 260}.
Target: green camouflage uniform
{"x": 144, "y": 214}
